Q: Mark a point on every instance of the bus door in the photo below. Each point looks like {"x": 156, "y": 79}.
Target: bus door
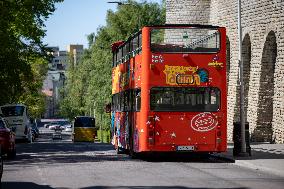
{"x": 134, "y": 119}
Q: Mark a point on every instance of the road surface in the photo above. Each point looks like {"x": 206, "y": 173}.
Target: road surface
{"x": 49, "y": 164}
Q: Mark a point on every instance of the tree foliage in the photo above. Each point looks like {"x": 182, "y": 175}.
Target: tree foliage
{"x": 32, "y": 95}
{"x": 22, "y": 50}
{"x": 91, "y": 78}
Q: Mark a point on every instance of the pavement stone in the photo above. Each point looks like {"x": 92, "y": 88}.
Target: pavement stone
{"x": 265, "y": 157}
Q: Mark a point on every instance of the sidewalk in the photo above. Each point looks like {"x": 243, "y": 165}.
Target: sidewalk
{"x": 265, "y": 157}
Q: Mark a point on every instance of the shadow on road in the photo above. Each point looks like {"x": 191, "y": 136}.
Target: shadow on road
{"x": 258, "y": 153}
{"x": 64, "y": 152}
{"x": 30, "y": 185}
{"x": 23, "y": 185}
{"x": 67, "y": 152}
{"x": 182, "y": 157}
{"x": 149, "y": 187}
{"x": 48, "y": 151}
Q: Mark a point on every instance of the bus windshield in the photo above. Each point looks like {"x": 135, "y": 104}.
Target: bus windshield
{"x": 185, "y": 99}
{"x": 185, "y": 40}
{"x": 9, "y": 111}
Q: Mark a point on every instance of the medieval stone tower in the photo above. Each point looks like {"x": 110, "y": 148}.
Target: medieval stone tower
{"x": 263, "y": 58}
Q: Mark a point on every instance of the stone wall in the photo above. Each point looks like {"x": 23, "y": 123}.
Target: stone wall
{"x": 263, "y": 57}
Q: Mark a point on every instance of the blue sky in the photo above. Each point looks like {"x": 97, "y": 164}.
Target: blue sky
{"x": 73, "y": 20}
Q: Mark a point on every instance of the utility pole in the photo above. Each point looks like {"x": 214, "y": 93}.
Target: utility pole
{"x": 241, "y": 84}
{"x": 101, "y": 127}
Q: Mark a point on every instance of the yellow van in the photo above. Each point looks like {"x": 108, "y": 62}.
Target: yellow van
{"x": 83, "y": 129}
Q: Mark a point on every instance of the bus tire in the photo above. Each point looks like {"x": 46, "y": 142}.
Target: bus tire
{"x": 119, "y": 150}
{"x": 11, "y": 154}
{"x": 133, "y": 154}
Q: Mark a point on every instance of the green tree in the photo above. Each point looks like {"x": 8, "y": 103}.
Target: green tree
{"x": 92, "y": 76}
{"x": 32, "y": 95}
{"x": 22, "y": 49}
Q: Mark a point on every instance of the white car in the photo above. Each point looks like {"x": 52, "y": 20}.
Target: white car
{"x": 57, "y": 135}
{"x": 55, "y": 127}
{"x": 68, "y": 128}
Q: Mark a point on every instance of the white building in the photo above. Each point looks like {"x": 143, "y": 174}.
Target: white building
{"x": 60, "y": 59}
{"x": 55, "y": 79}
{"x": 76, "y": 51}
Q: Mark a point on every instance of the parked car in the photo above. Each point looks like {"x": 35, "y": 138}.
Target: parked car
{"x": 7, "y": 139}
{"x": 46, "y": 125}
{"x": 68, "y": 128}
{"x": 54, "y": 125}
{"x": 61, "y": 124}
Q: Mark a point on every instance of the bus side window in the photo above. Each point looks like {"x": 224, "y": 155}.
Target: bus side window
{"x": 137, "y": 99}
{"x": 119, "y": 55}
{"x": 126, "y": 101}
{"x": 112, "y": 103}
{"x": 140, "y": 43}
{"x": 114, "y": 59}
{"x": 135, "y": 43}
{"x": 131, "y": 46}
{"x": 123, "y": 53}
{"x": 117, "y": 102}
{"x": 127, "y": 50}
{"x": 129, "y": 100}
{"x": 121, "y": 101}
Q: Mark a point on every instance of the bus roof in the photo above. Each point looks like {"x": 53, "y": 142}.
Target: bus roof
{"x": 184, "y": 25}
{"x": 118, "y": 44}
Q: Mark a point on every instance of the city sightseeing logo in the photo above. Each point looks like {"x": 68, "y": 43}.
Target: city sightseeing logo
{"x": 203, "y": 122}
{"x": 215, "y": 62}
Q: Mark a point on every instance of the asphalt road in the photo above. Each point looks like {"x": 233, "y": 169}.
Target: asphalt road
{"x": 48, "y": 164}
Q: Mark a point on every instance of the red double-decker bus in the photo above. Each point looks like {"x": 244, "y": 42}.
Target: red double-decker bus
{"x": 169, "y": 90}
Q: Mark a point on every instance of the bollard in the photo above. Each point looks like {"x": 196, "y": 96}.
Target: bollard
{"x": 237, "y": 139}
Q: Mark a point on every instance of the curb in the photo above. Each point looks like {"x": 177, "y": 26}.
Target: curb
{"x": 263, "y": 169}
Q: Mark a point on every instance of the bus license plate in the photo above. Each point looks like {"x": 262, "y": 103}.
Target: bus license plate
{"x": 185, "y": 148}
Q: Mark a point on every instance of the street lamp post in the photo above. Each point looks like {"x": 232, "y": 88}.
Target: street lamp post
{"x": 241, "y": 84}
{"x": 120, "y": 3}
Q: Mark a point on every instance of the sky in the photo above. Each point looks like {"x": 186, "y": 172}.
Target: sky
{"x": 73, "y": 20}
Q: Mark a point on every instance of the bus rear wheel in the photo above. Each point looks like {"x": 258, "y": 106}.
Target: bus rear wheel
{"x": 133, "y": 154}
{"x": 11, "y": 154}
{"x": 119, "y": 150}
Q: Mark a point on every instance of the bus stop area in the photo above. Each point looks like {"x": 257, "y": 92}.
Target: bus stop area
{"x": 265, "y": 157}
